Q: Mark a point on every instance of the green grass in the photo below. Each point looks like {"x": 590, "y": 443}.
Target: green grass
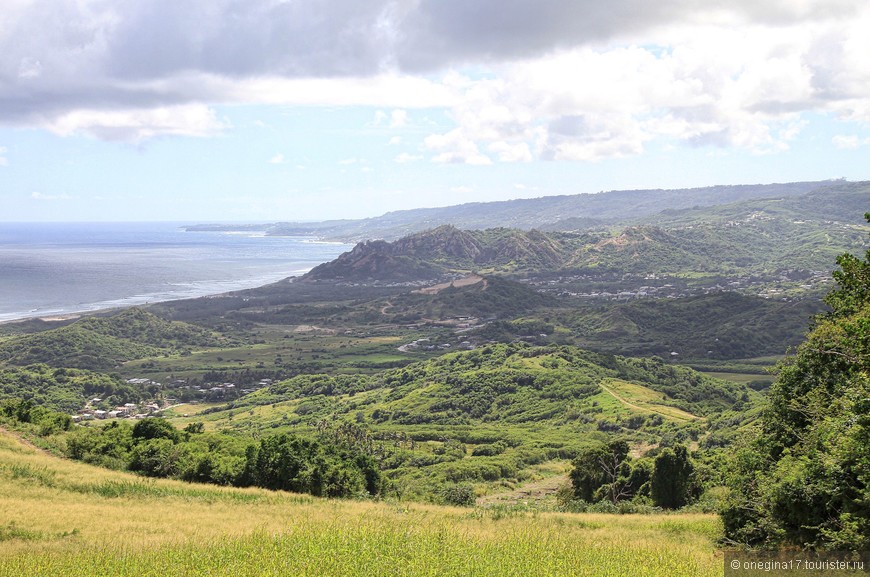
{"x": 745, "y": 378}
{"x": 370, "y": 548}
{"x": 640, "y": 399}
{"x": 90, "y": 521}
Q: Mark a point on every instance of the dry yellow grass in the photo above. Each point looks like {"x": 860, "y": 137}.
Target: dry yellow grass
{"x": 644, "y": 400}
{"x": 59, "y": 517}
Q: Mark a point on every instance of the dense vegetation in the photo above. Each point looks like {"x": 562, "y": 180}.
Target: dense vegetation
{"x": 63, "y": 389}
{"x": 155, "y": 448}
{"x": 793, "y": 235}
{"x": 722, "y": 325}
{"x": 804, "y": 476}
{"x": 103, "y": 343}
{"x": 63, "y": 517}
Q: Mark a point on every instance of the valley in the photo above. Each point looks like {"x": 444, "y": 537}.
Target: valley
{"x": 477, "y": 369}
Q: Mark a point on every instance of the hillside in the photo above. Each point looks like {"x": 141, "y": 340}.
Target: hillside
{"x": 473, "y": 296}
{"x": 67, "y": 518}
{"x": 487, "y": 416}
{"x": 62, "y": 389}
{"x": 604, "y": 208}
{"x": 717, "y": 326}
{"x": 440, "y": 252}
{"x": 798, "y": 233}
{"x": 99, "y": 343}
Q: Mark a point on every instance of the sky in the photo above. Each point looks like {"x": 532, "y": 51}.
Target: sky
{"x": 298, "y": 110}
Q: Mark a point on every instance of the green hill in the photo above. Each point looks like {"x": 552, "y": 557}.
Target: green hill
{"x": 100, "y": 343}
{"x": 65, "y": 390}
{"x": 436, "y": 253}
{"x": 793, "y": 232}
{"x": 717, "y": 326}
{"x": 488, "y": 415}
{"x": 489, "y": 296}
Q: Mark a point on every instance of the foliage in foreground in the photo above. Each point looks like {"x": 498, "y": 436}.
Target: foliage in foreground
{"x": 66, "y": 518}
{"x": 805, "y": 477}
{"x": 155, "y": 448}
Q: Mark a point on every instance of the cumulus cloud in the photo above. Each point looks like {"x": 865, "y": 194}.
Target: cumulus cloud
{"x": 405, "y": 158}
{"x": 133, "y": 125}
{"x": 560, "y": 79}
{"x": 450, "y": 31}
{"x": 592, "y": 103}
{"x": 398, "y": 118}
{"x": 455, "y": 147}
{"x": 842, "y": 141}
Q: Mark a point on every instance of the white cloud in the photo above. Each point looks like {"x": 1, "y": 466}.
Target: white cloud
{"x": 395, "y": 140}
{"x": 591, "y": 103}
{"x": 348, "y": 161}
{"x": 850, "y": 141}
{"x": 135, "y": 125}
{"x": 405, "y": 158}
{"x": 737, "y": 74}
{"x": 278, "y": 159}
{"x": 455, "y": 147}
{"x": 389, "y": 90}
{"x": 511, "y": 152}
{"x": 398, "y": 118}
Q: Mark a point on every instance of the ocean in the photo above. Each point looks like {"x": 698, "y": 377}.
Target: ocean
{"x": 51, "y": 269}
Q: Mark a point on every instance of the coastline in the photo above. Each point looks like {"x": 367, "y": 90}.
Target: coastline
{"x": 74, "y": 313}
{"x": 57, "y": 271}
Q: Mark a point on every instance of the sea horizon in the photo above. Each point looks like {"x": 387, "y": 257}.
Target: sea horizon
{"x": 53, "y": 269}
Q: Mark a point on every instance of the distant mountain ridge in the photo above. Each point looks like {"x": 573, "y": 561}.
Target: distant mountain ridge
{"x": 568, "y": 212}
{"x": 793, "y": 232}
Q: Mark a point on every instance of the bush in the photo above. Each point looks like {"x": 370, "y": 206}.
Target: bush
{"x": 460, "y": 495}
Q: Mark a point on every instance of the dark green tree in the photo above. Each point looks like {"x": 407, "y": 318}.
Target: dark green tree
{"x": 601, "y": 472}
{"x": 672, "y": 478}
{"x": 156, "y": 428}
{"x": 805, "y": 477}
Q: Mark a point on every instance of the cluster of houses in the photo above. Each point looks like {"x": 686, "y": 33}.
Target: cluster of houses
{"x": 226, "y": 389}
{"x": 151, "y": 409}
{"x": 127, "y": 411}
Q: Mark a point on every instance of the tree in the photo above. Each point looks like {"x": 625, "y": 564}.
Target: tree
{"x": 155, "y": 428}
{"x": 804, "y": 478}
{"x": 601, "y": 472}
{"x": 672, "y": 478}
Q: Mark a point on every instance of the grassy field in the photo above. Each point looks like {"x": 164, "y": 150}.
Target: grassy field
{"x": 640, "y": 399}
{"x": 65, "y": 518}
